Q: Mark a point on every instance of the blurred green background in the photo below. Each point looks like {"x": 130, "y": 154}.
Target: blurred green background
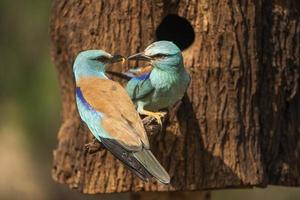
{"x": 30, "y": 112}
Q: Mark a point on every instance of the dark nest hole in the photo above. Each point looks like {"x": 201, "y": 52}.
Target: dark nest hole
{"x": 176, "y": 29}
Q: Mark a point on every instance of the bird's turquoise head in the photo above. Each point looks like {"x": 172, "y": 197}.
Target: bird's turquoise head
{"x": 164, "y": 55}
{"x": 93, "y": 63}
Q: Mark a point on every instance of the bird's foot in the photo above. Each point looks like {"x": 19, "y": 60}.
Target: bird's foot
{"x": 155, "y": 115}
{"x": 93, "y": 146}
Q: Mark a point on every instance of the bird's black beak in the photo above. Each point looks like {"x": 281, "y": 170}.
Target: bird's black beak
{"x": 139, "y": 56}
{"x": 117, "y": 58}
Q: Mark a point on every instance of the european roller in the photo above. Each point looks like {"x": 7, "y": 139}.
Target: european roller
{"x": 109, "y": 113}
{"x": 160, "y": 84}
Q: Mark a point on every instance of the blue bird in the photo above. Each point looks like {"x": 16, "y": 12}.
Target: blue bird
{"x": 162, "y": 83}
{"x": 109, "y": 113}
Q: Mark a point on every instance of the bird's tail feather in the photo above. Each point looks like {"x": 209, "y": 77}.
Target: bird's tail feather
{"x": 142, "y": 163}
{"x": 127, "y": 158}
{"x": 147, "y": 159}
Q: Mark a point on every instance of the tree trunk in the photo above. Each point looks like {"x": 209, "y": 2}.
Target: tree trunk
{"x": 239, "y": 124}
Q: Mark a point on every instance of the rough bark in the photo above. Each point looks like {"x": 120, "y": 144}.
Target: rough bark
{"x": 238, "y": 126}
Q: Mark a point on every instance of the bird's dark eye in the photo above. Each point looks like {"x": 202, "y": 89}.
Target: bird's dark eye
{"x": 102, "y": 59}
{"x": 159, "y": 56}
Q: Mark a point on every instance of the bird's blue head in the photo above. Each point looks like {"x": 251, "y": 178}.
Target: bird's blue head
{"x": 93, "y": 62}
{"x": 164, "y": 55}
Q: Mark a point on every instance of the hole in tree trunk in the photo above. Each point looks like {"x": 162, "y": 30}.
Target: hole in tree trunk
{"x": 176, "y": 29}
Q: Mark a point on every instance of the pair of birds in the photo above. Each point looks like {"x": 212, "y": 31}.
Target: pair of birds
{"x": 110, "y": 112}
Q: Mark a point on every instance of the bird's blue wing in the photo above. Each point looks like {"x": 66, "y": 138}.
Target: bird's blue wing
{"x": 139, "y": 87}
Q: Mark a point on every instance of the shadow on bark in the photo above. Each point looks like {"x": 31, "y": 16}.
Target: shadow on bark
{"x": 193, "y": 155}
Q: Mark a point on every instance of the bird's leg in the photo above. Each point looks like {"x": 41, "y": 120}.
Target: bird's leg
{"x": 93, "y": 146}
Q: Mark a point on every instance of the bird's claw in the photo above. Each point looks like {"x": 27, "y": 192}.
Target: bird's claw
{"x": 158, "y": 119}
{"x": 158, "y": 116}
{"x": 161, "y": 114}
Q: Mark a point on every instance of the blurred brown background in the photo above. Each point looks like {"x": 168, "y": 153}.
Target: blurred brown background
{"x": 30, "y": 112}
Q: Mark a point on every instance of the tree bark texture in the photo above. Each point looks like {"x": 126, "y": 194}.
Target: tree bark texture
{"x": 238, "y": 126}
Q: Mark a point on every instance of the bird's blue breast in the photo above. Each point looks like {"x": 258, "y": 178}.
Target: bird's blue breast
{"x": 143, "y": 77}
